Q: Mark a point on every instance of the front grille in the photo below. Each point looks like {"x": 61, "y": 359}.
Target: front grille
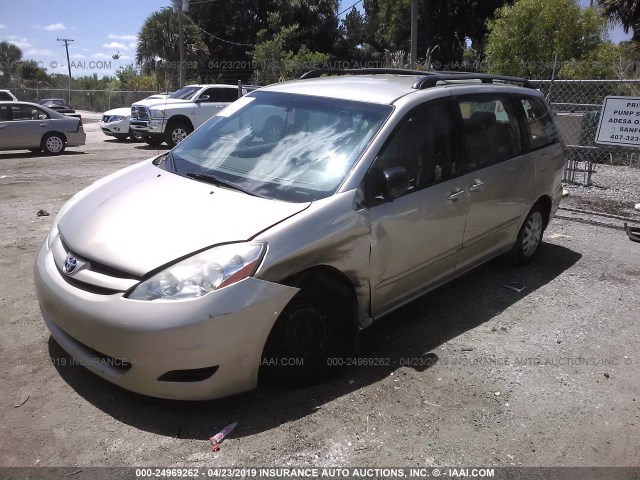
{"x": 94, "y": 358}
{"x": 191, "y": 375}
{"x": 141, "y": 113}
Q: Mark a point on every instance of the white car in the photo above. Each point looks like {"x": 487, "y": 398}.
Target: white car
{"x": 173, "y": 118}
{"x": 115, "y": 123}
{"x": 7, "y": 96}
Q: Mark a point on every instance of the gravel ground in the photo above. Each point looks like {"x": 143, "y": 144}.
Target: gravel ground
{"x": 615, "y": 190}
{"x": 479, "y": 375}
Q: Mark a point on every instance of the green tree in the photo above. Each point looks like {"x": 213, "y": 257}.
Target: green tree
{"x": 525, "y": 37}
{"x": 274, "y": 63}
{"x": 627, "y": 12}
{"x": 10, "y": 55}
{"x": 603, "y": 62}
{"x": 31, "y": 75}
{"x": 444, "y": 27}
{"x": 158, "y": 49}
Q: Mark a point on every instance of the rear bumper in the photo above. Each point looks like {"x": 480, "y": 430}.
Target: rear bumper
{"x": 133, "y": 343}
{"x": 75, "y": 139}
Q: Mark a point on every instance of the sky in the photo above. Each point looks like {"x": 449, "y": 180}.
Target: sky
{"x": 99, "y": 29}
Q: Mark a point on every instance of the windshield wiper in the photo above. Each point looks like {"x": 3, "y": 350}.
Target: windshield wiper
{"x": 209, "y": 178}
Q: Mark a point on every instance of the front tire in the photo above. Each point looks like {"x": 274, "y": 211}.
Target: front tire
{"x": 177, "y": 132}
{"x": 121, "y": 136}
{"x": 530, "y": 236}
{"x": 136, "y": 136}
{"x": 53, "y": 144}
{"x": 313, "y": 338}
{"x": 153, "y": 141}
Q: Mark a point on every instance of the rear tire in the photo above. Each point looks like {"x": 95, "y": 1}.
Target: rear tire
{"x": 313, "y": 338}
{"x": 176, "y": 132}
{"x": 530, "y": 236}
{"x": 53, "y": 144}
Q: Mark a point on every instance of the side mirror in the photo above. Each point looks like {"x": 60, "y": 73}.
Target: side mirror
{"x": 395, "y": 182}
{"x": 202, "y": 98}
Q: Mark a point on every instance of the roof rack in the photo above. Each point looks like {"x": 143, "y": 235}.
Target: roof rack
{"x": 361, "y": 71}
{"x": 427, "y": 80}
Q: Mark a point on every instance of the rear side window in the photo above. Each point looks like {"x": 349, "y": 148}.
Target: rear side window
{"x": 5, "y": 96}
{"x": 491, "y": 130}
{"x": 541, "y": 128}
{"x": 28, "y": 112}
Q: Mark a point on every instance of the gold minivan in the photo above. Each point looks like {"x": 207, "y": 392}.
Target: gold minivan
{"x": 297, "y": 216}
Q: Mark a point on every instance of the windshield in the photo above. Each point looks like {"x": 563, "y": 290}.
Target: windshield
{"x": 185, "y": 93}
{"x": 295, "y": 148}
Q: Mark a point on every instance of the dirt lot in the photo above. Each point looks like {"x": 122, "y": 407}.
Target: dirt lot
{"x": 480, "y": 375}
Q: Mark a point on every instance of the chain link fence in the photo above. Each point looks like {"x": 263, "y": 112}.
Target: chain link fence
{"x": 91, "y": 100}
{"x": 602, "y": 178}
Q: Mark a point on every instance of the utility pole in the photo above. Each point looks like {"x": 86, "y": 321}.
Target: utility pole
{"x": 414, "y": 34}
{"x": 66, "y": 46}
{"x": 180, "y": 6}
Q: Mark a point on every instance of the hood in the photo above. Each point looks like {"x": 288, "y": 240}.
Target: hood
{"x": 159, "y": 103}
{"x": 143, "y": 218}
{"x": 124, "y": 112}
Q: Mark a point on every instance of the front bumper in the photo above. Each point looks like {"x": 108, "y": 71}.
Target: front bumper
{"x": 113, "y": 128}
{"x": 226, "y": 329}
{"x": 151, "y": 126}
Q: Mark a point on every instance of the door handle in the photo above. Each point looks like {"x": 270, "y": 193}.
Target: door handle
{"x": 477, "y": 186}
{"x": 43, "y": 124}
{"x": 456, "y": 195}
{"x": 2, "y": 126}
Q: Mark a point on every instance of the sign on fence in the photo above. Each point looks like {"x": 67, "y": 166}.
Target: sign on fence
{"x": 620, "y": 122}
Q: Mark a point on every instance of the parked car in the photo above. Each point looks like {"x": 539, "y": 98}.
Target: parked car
{"x": 36, "y": 128}
{"x": 172, "y": 118}
{"x": 242, "y": 253}
{"x": 6, "y": 95}
{"x": 115, "y": 123}
{"x": 58, "y": 104}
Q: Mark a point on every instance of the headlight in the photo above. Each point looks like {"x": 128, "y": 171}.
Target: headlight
{"x": 117, "y": 118}
{"x": 156, "y": 113}
{"x": 202, "y": 273}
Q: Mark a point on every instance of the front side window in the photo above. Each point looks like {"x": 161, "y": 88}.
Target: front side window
{"x": 422, "y": 144}
{"x": 222, "y": 94}
{"x": 295, "y": 148}
{"x": 541, "y": 128}
{"x": 491, "y": 130}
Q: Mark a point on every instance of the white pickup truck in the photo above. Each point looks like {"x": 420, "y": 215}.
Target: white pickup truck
{"x": 173, "y": 118}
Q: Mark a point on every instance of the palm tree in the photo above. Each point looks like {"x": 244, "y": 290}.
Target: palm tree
{"x": 627, "y": 12}
{"x": 10, "y": 55}
{"x": 158, "y": 43}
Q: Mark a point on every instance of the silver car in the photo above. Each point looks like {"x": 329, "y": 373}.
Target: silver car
{"x": 37, "y": 128}
{"x": 294, "y": 218}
